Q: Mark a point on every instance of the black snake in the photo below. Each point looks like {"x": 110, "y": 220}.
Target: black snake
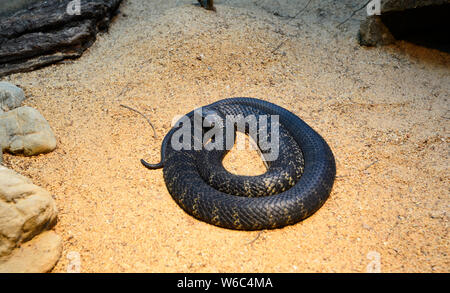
{"x": 295, "y": 185}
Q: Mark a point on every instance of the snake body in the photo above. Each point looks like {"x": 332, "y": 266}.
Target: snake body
{"x": 295, "y": 185}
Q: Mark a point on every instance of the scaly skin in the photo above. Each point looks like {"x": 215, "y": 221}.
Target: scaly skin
{"x": 295, "y": 185}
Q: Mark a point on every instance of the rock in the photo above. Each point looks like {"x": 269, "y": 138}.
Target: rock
{"x": 38, "y": 255}
{"x": 25, "y": 211}
{"x": 24, "y": 130}
{"x": 45, "y": 32}
{"x": 373, "y": 32}
{"x": 11, "y": 96}
{"x": 399, "y": 19}
{"x": 400, "y": 5}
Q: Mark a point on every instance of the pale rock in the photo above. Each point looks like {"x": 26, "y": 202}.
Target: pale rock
{"x": 24, "y": 130}
{"x": 38, "y": 255}
{"x": 25, "y": 211}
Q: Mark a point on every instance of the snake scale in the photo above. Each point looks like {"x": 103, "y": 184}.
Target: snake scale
{"x": 295, "y": 185}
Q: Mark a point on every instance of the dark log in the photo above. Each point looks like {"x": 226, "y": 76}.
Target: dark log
{"x": 45, "y": 33}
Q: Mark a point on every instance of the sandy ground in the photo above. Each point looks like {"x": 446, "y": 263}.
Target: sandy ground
{"x": 384, "y": 112}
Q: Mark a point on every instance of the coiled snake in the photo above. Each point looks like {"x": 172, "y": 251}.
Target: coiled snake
{"x": 296, "y": 184}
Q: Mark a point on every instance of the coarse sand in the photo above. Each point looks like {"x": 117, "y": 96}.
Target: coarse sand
{"x": 384, "y": 112}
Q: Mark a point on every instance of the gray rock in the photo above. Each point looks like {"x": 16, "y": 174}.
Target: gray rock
{"x": 25, "y": 211}
{"x": 25, "y": 131}
{"x": 11, "y": 96}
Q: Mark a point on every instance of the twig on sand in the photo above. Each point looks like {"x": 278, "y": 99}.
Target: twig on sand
{"x": 256, "y": 238}
{"x": 291, "y": 18}
{"x": 353, "y": 14}
{"x": 368, "y": 166}
{"x": 148, "y": 120}
{"x": 361, "y": 170}
{"x": 124, "y": 90}
{"x": 342, "y": 176}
